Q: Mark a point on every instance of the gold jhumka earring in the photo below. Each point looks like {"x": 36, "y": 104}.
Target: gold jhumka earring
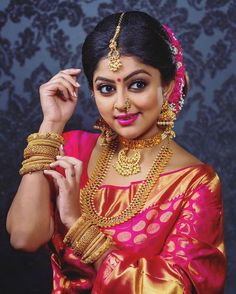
{"x": 114, "y": 62}
{"x": 166, "y": 120}
{"x": 107, "y": 134}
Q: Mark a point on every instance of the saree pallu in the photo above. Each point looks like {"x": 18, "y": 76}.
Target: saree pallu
{"x": 174, "y": 245}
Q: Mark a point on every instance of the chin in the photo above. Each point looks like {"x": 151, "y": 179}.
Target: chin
{"x": 128, "y": 133}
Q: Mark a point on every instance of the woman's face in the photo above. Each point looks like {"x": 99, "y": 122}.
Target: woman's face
{"x": 142, "y": 85}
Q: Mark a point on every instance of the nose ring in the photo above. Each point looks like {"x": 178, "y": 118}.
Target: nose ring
{"x": 127, "y": 104}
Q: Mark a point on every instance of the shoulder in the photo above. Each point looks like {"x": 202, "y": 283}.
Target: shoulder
{"x": 181, "y": 157}
{"x": 199, "y": 174}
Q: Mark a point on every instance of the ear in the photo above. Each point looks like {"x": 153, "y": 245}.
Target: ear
{"x": 167, "y": 89}
{"x": 92, "y": 94}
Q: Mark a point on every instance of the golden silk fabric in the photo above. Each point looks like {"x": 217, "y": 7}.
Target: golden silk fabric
{"x": 174, "y": 245}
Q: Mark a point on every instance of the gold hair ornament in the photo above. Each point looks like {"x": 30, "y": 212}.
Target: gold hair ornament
{"x": 114, "y": 61}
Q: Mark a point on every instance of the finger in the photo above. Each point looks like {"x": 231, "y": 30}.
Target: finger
{"x": 78, "y": 172}
{"x": 56, "y": 88}
{"x": 58, "y": 178}
{"x": 61, "y": 150}
{"x": 71, "y": 71}
{"x": 70, "y": 159}
{"x": 67, "y": 77}
{"x": 69, "y": 169}
{"x": 63, "y": 82}
{"x": 78, "y": 165}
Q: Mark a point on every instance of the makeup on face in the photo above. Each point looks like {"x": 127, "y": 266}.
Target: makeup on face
{"x": 138, "y": 82}
{"x": 127, "y": 119}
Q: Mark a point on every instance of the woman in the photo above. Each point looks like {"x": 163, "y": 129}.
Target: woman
{"x": 127, "y": 211}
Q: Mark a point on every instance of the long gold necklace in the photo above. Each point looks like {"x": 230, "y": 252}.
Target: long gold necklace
{"x": 129, "y": 157}
{"x": 139, "y": 199}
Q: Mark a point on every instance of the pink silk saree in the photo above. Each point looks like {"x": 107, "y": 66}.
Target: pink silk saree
{"x": 174, "y": 245}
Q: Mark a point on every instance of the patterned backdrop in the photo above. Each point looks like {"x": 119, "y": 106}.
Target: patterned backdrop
{"x": 40, "y": 37}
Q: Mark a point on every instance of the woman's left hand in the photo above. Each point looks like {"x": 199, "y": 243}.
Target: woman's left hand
{"x": 68, "y": 199}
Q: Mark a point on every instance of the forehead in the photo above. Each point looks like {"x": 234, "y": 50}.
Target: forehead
{"x": 129, "y": 64}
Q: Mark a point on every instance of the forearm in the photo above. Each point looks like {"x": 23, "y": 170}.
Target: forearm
{"x": 29, "y": 220}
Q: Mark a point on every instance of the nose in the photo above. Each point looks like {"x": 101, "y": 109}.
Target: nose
{"x": 122, "y": 103}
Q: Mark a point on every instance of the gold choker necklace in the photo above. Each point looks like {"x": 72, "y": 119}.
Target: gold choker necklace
{"x": 129, "y": 157}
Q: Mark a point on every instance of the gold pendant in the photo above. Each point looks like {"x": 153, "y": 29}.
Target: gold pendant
{"x": 127, "y": 165}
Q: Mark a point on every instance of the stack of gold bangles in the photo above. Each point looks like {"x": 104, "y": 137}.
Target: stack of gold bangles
{"x": 87, "y": 240}
{"x": 41, "y": 150}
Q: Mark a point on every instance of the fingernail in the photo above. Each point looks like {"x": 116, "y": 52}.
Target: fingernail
{"x": 77, "y": 84}
{"x": 75, "y": 95}
{"x": 58, "y": 156}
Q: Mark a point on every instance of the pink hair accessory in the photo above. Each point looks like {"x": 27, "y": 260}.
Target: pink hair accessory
{"x": 176, "y": 98}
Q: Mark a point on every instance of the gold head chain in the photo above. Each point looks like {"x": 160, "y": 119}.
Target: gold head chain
{"x": 114, "y": 61}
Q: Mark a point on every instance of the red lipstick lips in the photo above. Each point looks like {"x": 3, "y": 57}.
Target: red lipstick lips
{"x": 127, "y": 118}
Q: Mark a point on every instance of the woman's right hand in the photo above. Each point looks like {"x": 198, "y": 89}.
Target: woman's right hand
{"x": 58, "y": 98}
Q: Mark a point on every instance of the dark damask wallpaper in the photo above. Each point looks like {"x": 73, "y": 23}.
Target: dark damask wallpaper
{"x": 38, "y": 38}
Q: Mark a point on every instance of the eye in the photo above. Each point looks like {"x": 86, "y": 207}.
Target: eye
{"x": 105, "y": 89}
{"x": 138, "y": 85}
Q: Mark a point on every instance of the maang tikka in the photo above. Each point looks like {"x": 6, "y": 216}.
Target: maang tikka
{"x": 114, "y": 61}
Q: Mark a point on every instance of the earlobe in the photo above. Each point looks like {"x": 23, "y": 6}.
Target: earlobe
{"x": 92, "y": 94}
{"x": 167, "y": 90}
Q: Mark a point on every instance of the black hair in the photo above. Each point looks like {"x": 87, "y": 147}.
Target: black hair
{"x": 141, "y": 36}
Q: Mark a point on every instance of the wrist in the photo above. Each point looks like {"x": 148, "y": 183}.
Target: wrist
{"x": 70, "y": 221}
{"x": 51, "y": 127}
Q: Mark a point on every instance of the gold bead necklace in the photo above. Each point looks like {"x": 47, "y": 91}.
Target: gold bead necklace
{"x": 140, "y": 198}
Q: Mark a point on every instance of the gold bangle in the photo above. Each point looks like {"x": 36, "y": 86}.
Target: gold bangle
{"x": 35, "y": 150}
{"x": 37, "y": 158}
{"x": 48, "y": 136}
{"x": 30, "y": 169}
{"x": 43, "y": 142}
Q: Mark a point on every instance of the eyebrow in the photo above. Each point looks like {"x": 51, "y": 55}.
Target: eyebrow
{"x": 126, "y": 78}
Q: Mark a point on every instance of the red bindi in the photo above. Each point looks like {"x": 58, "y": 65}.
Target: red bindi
{"x": 118, "y": 80}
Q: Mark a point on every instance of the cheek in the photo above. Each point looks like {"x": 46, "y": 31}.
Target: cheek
{"x": 104, "y": 106}
{"x": 151, "y": 100}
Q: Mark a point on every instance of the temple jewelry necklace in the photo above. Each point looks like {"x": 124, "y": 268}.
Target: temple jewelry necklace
{"x": 140, "y": 198}
{"x": 129, "y": 157}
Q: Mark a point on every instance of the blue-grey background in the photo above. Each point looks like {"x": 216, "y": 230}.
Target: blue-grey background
{"x": 40, "y": 37}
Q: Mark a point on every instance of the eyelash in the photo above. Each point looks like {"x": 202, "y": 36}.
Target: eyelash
{"x": 100, "y": 87}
